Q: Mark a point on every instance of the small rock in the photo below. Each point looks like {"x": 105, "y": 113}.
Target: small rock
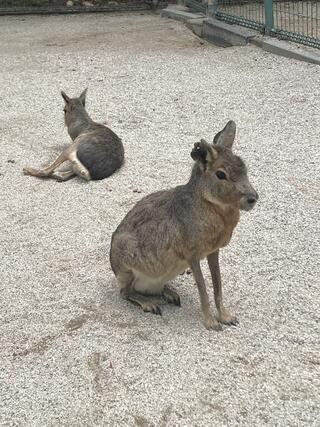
{"x": 69, "y": 3}
{"x": 136, "y": 191}
{"x": 87, "y": 4}
{"x": 11, "y": 161}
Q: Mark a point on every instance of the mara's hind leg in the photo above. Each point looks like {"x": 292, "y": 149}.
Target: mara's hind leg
{"x": 48, "y": 171}
{"x": 142, "y": 301}
{"x": 128, "y": 293}
{"x": 171, "y": 296}
{"x": 78, "y": 168}
{"x": 63, "y": 175}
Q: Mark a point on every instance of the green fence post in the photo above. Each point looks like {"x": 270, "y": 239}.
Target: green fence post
{"x": 212, "y": 7}
{"x": 268, "y": 11}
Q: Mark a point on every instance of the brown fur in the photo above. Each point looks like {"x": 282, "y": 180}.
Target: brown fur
{"x": 168, "y": 231}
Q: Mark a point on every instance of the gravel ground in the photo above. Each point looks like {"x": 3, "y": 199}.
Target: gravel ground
{"x": 73, "y": 353}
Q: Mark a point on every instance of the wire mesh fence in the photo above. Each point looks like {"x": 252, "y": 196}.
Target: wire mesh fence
{"x": 296, "y": 20}
{"x": 299, "y": 19}
{"x": 196, "y": 5}
{"x": 23, "y": 3}
{"x": 249, "y": 13}
{"x": 73, "y": 6}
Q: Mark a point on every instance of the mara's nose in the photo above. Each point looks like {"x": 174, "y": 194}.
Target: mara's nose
{"x": 252, "y": 198}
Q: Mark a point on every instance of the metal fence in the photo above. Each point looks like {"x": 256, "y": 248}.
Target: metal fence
{"x": 73, "y": 6}
{"x": 299, "y": 20}
{"x": 296, "y": 20}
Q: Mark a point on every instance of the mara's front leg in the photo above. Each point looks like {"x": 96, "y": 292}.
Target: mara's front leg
{"x": 223, "y": 315}
{"x": 209, "y": 321}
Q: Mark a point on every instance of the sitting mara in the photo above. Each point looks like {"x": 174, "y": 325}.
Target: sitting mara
{"x": 170, "y": 230}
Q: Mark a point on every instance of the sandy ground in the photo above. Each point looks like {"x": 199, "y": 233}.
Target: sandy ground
{"x": 73, "y": 353}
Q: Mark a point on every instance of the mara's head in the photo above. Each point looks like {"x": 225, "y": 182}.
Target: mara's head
{"x": 222, "y": 175}
{"x": 73, "y": 107}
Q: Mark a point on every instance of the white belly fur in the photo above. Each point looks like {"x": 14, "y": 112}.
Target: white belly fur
{"x": 154, "y": 285}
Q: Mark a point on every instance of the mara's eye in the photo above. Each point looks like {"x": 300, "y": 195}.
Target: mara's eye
{"x": 64, "y": 110}
{"x": 221, "y": 175}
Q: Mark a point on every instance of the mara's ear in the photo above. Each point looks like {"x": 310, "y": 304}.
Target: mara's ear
{"x": 65, "y": 97}
{"x": 82, "y": 97}
{"x": 226, "y": 136}
{"x": 204, "y": 152}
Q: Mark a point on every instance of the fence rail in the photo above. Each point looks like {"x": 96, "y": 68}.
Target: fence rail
{"x": 9, "y": 7}
{"x": 295, "y": 20}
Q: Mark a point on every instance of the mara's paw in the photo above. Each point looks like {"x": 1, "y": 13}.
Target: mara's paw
{"x": 171, "y": 296}
{"x": 28, "y": 170}
{"x": 228, "y": 319}
{"x": 212, "y": 324}
{"x": 85, "y": 175}
{"x": 150, "y": 307}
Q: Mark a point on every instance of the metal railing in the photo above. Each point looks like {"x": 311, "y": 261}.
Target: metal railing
{"x": 249, "y": 13}
{"x": 298, "y": 20}
{"x": 71, "y": 6}
{"x": 295, "y": 20}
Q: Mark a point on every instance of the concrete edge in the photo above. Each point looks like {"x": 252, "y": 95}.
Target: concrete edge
{"x": 196, "y": 25}
{"x": 180, "y": 15}
{"x": 226, "y": 35}
{"x": 283, "y": 48}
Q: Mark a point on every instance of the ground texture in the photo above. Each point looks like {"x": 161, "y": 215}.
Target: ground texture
{"x": 73, "y": 353}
